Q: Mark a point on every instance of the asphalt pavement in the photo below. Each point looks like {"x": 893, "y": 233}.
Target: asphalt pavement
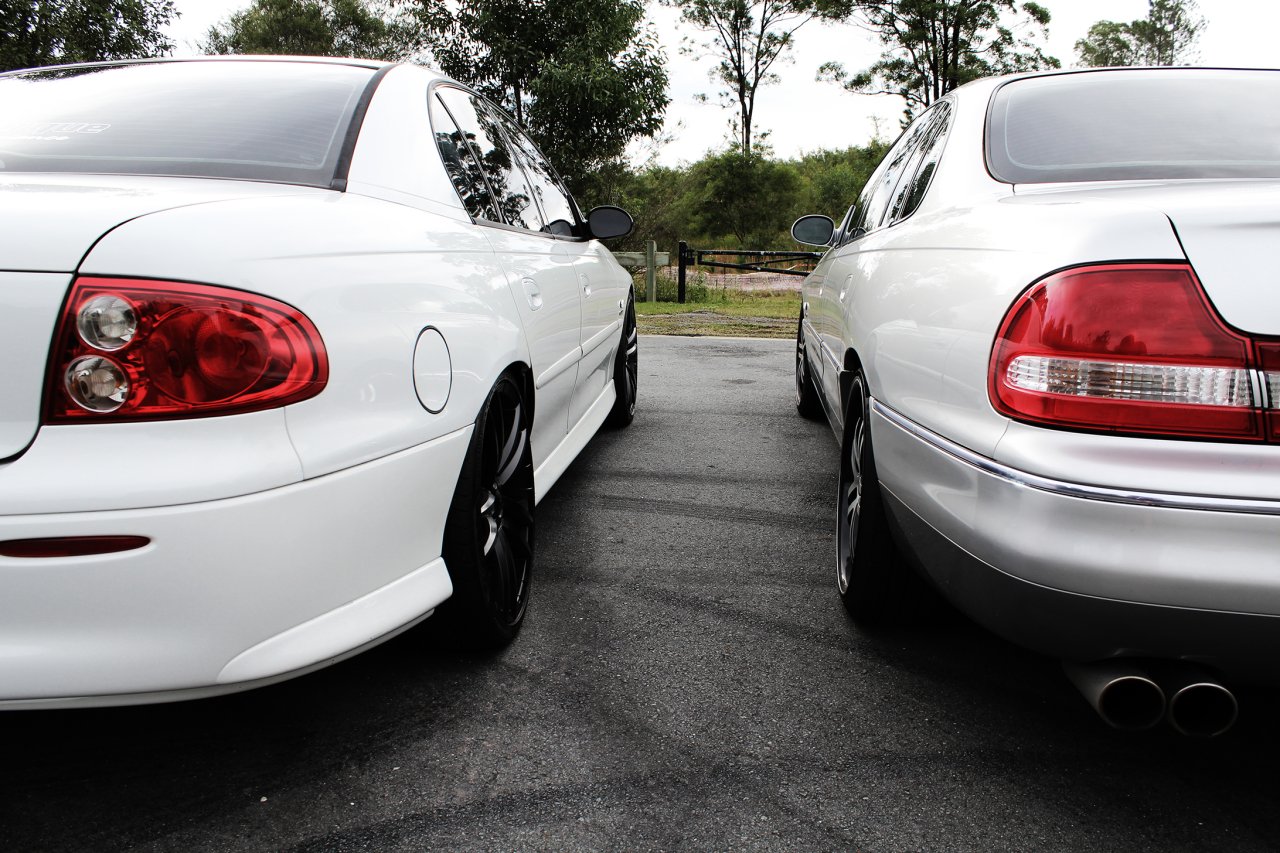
{"x": 686, "y": 680}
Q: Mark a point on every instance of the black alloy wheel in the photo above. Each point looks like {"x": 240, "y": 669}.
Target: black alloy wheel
{"x": 875, "y": 584}
{"x": 488, "y": 540}
{"x": 626, "y": 370}
{"x": 807, "y": 402}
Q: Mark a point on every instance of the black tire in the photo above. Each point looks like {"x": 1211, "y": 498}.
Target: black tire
{"x": 488, "y": 538}
{"x": 807, "y": 402}
{"x": 626, "y": 371}
{"x": 876, "y": 585}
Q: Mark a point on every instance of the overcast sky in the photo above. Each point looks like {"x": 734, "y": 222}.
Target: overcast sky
{"x": 803, "y": 115}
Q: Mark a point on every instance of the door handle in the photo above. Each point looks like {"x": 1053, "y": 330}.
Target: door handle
{"x": 586, "y": 284}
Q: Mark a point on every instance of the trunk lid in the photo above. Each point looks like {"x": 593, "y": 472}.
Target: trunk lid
{"x": 1230, "y": 232}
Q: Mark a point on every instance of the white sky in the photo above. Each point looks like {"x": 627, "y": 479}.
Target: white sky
{"x": 804, "y": 115}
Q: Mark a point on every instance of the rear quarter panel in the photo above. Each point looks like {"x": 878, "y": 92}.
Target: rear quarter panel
{"x": 371, "y": 275}
{"x": 929, "y": 294}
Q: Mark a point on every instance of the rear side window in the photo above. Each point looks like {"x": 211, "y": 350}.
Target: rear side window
{"x": 267, "y": 121}
{"x": 1136, "y": 125}
{"x": 879, "y": 194}
{"x": 511, "y": 190}
{"x": 459, "y": 157}
{"x": 917, "y": 176}
{"x": 553, "y": 199}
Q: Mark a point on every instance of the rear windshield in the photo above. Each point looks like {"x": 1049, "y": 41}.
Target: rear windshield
{"x": 1136, "y": 125}
{"x": 262, "y": 121}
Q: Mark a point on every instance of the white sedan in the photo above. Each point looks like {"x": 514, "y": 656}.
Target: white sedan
{"x": 294, "y": 347}
{"x": 1047, "y": 337}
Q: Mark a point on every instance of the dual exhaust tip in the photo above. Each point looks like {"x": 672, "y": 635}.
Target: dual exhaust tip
{"x": 1131, "y": 697}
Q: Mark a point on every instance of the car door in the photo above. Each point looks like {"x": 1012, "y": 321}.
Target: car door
{"x": 601, "y": 282}
{"x": 540, "y": 268}
{"x": 851, "y": 263}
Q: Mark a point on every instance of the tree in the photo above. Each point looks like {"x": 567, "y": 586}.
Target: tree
{"x": 47, "y": 32}
{"x": 308, "y": 28}
{"x": 1167, "y": 36}
{"x": 747, "y": 37}
{"x": 585, "y": 77}
{"x": 934, "y": 46}
{"x": 746, "y": 196}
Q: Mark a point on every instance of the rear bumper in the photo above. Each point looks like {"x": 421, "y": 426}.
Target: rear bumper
{"x": 1086, "y": 573}
{"x": 229, "y": 593}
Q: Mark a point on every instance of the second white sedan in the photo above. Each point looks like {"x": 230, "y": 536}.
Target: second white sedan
{"x": 1047, "y": 337}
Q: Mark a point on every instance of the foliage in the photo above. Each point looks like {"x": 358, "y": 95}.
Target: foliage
{"x": 743, "y": 196}
{"x": 585, "y": 77}
{"x": 725, "y": 201}
{"x": 47, "y": 32}
{"x": 1167, "y": 36}
{"x": 747, "y": 37}
{"x": 934, "y": 46}
{"x": 309, "y": 28}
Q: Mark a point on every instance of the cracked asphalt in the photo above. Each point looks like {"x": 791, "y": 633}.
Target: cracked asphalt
{"x": 686, "y": 680}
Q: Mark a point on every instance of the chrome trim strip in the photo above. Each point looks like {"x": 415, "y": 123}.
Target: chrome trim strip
{"x": 569, "y": 360}
{"x": 1164, "y": 500}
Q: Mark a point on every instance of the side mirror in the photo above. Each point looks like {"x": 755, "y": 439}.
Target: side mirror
{"x": 813, "y": 230}
{"x": 607, "y": 222}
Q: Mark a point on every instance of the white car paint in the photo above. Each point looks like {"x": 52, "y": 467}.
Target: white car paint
{"x": 284, "y": 539}
{"x": 1036, "y": 531}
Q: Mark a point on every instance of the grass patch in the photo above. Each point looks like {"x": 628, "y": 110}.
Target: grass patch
{"x": 724, "y": 312}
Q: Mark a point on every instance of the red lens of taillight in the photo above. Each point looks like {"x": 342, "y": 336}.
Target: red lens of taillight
{"x": 135, "y": 349}
{"x": 1129, "y": 348}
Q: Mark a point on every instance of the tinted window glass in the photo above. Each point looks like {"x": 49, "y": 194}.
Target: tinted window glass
{"x": 1136, "y": 125}
{"x": 511, "y": 190}
{"x": 879, "y": 190}
{"x": 270, "y": 121}
{"x": 460, "y": 162}
{"x": 557, "y": 208}
{"x": 916, "y": 177}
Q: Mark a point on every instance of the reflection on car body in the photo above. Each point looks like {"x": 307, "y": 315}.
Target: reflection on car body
{"x": 279, "y": 383}
{"x": 1048, "y": 343}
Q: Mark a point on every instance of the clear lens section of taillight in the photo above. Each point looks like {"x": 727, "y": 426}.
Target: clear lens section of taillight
{"x": 1131, "y": 348}
{"x": 96, "y": 384}
{"x": 1151, "y": 383}
{"x": 107, "y": 322}
{"x": 135, "y": 349}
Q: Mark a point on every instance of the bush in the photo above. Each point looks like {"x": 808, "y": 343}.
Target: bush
{"x": 695, "y": 288}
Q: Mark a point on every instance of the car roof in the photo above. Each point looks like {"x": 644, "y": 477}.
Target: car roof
{"x": 1000, "y": 79}
{"x": 323, "y": 60}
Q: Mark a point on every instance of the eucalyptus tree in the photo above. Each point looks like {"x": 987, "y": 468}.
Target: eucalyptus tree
{"x": 934, "y": 46}
{"x": 310, "y": 28}
{"x": 1166, "y": 36}
{"x": 748, "y": 38}
{"x": 46, "y": 32}
{"x": 585, "y": 77}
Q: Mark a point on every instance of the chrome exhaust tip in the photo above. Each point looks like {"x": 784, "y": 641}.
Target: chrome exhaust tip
{"x": 1200, "y": 706}
{"x": 1123, "y": 694}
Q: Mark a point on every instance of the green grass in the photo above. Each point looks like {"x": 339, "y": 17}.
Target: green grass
{"x": 724, "y": 312}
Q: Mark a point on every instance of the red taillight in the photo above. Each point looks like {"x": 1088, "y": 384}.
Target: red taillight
{"x": 134, "y": 349}
{"x": 1130, "y": 348}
